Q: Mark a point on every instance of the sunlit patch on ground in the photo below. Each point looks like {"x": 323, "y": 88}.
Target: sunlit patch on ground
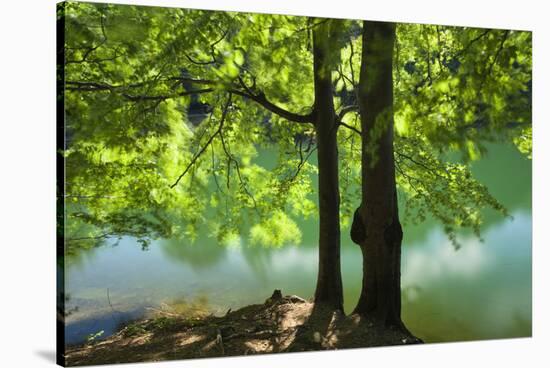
{"x": 280, "y": 324}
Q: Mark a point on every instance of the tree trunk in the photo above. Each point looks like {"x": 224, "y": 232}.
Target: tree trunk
{"x": 329, "y": 279}
{"x": 380, "y": 298}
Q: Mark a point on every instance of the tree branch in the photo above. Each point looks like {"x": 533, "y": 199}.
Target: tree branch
{"x": 303, "y": 160}
{"x": 94, "y": 86}
{"x": 212, "y": 52}
{"x": 165, "y": 97}
{"x": 88, "y": 86}
{"x": 92, "y": 49}
{"x": 264, "y": 102}
{"x": 474, "y": 40}
{"x": 350, "y": 127}
{"x": 210, "y": 140}
{"x": 231, "y": 159}
{"x": 259, "y": 98}
{"x": 421, "y": 164}
{"x": 345, "y": 110}
{"x": 497, "y": 54}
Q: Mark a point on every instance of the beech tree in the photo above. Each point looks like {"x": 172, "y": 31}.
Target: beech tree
{"x": 234, "y": 81}
{"x": 167, "y": 110}
{"x": 449, "y": 100}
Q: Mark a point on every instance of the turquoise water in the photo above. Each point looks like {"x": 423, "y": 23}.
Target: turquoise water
{"x": 481, "y": 291}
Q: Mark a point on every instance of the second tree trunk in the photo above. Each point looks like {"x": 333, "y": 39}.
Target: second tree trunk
{"x": 380, "y": 298}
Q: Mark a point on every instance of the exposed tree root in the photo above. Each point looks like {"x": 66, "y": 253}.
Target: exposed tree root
{"x": 281, "y": 324}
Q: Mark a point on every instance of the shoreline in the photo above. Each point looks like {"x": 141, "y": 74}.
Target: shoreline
{"x": 280, "y": 324}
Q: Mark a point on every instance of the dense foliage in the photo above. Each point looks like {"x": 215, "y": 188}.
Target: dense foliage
{"x": 171, "y": 116}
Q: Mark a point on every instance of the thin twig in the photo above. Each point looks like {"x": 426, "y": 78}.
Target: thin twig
{"x": 231, "y": 159}
{"x": 350, "y": 127}
{"x": 218, "y": 132}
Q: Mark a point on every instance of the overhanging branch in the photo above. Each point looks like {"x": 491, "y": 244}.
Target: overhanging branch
{"x": 259, "y": 97}
{"x": 165, "y": 97}
{"x": 263, "y": 101}
{"x": 94, "y": 86}
{"x": 210, "y": 140}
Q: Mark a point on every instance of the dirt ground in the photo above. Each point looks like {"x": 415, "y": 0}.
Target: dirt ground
{"x": 281, "y": 324}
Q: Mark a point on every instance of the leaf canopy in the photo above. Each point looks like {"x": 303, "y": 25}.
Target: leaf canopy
{"x": 178, "y": 120}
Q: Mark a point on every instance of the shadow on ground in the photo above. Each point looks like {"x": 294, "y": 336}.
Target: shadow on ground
{"x": 281, "y": 324}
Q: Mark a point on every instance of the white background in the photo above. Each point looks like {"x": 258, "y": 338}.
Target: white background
{"x": 27, "y": 180}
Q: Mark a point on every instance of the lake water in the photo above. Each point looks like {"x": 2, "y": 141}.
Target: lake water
{"x": 481, "y": 291}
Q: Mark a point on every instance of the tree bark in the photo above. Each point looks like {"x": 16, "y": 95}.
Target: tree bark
{"x": 380, "y": 298}
{"x": 329, "y": 279}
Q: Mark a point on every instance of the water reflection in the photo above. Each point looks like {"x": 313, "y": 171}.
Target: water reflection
{"x": 481, "y": 291}
{"x": 204, "y": 253}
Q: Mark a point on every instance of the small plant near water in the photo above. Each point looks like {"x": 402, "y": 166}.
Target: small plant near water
{"x": 134, "y": 329}
{"x": 93, "y": 336}
{"x": 162, "y": 323}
